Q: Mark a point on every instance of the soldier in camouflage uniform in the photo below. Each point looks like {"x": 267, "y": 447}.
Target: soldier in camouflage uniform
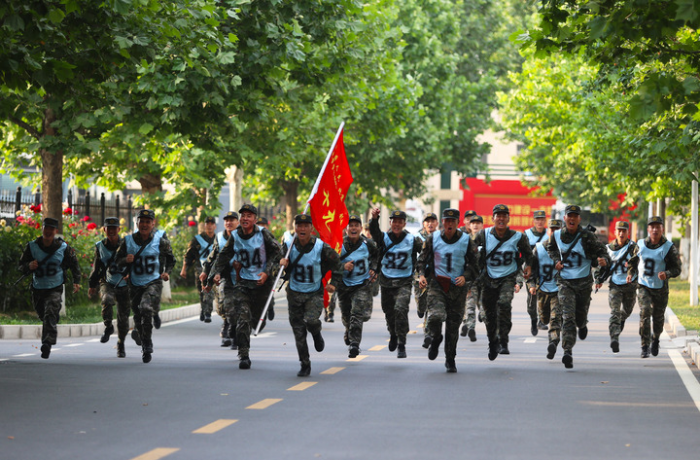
{"x": 46, "y": 259}
{"x": 113, "y": 287}
{"x": 256, "y": 254}
{"x": 573, "y": 250}
{"x": 146, "y": 257}
{"x": 196, "y": 255}
{"x": 655, "y": 260}
{"x": 399, "y": 251}
{"x": 430, "y": 224}
{"x": 621, "y": 294}
{"x": 536, "y": 234}
{"x": 374, "y": 284}
{"x": 466, "y": 228}
{"x": 449, "y": 260}
{"x": 228, "y": 334}
{"x": 543, "y": 285}
{"x": 503, "y": 252}
{"x": 474, "y": 295}
{"x": 359, "y": 257}
{"x": 309, "y": 261}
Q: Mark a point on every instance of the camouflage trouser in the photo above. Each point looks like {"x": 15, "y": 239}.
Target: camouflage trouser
{"x": 575, "y": 299}
{"x": 111, "y": 295}
{"x": 532, "y": 306}
{"x": 448, "y": 308}
{"x": 621, "y": 299}
{"x": 47, "y": 304}
{"x": 652, "y": 307}
{"x": 355, "y": 308}
{"x": 330, "y": 311}
{"x": 497, "y": 299}
{"x": 248, "y": 304}
{"x": 473, "y": 304}
{"x": 145, "y": 302}
{"x": 219, "y": 296}
{"x": 304, "y": 315}
{"x": 375, "y": 288}
{"x": 421, "y": 298}
{"x": 549, "y": 311}
{"x": 395, "y": 306}
{"x": 206, "y": 299}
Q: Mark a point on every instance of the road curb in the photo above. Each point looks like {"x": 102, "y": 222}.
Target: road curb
{"x": 674, "y": 326}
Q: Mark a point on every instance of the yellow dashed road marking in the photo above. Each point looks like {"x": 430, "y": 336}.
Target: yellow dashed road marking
{"x": 157, "y": 454}
{"x": 420, "y": 326}
{"x": 359, "y": 358}
{"x": 215, "y": 426}
{"x": 411, "y": 332}
{"x": 264, "y": 404}
{"x": 332, "y": 370}
{"x": 377, "y": 347}
{"x": 302, "y": 386}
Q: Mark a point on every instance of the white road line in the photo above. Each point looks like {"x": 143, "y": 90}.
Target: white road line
{"x": 73, "y": 345}
{"x": 24, "y": 355}
{"x": 531, "y": 340}
{"x": 179, "y": 321}
{"x": 92, "y": 340}
{"x": 684, "y": 372}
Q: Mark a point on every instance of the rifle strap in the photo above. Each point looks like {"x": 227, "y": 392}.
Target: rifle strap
{"x": 565, "y": 255}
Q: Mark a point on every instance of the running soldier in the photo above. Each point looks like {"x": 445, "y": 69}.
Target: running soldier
{"x": 398, "y": 254}
{"x": 543, "y": 286}
{"x": 535, "y": 234}
{"x": 655, "y": 260}
{"x": 229, "y": 279}
{"x": 375, "y": 282}
{"x": 474, "y": 295}
{"x": 47, "y": 258}
{"x": 573, "y": 250}
{"x": 113, "y": 287}
{"x": 196, "y": 255}
{"x": 430, "y": 224}
{"x": 256, "y": 257}
{"x": 309, "y": 261}
{"x": 449, "y": 259}
{"x": 359, "y": 257}
{"x": 503, "y": 252}
{"x": 146, "y": 258}
{"x": 621, "y": 296}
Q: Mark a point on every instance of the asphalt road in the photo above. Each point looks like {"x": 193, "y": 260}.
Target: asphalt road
{"x": 192, "y": 401}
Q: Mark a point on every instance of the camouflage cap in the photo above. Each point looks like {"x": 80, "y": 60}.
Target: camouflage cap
{"x": 476, "y": 219}
{"x": 302, "y": 219}
{"x": 655, "y": 220}
{"x": 146, "y": 214}
{"x": 50, "y": 222}
{"x": 231, "y": 215}
{"x": 262, "y": 221}
{"x": 429, "y": 215}
{"x": 572, "y": 209}
{"x": 397, "y": 215}
{"x": 248, "y": 208}
{"x": 501, "y": 208}
{"x": 469, "y": 213}
{"x": 555, "y": 223}
{"x": 354, "y": 217}
{"x": 622, "y": 224}
{"x": 210, "y": 220}
{"x": 450, "y": 213}
{"x": 539, "y": 213}
{"x": 111, "y": 222}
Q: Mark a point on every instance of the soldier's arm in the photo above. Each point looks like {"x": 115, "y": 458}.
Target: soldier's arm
{"x": 535, "y": 270}
{"x": 673, "y": 263}
{"x": 633, "y": 262}
{"x": 273, "y": 251}
{"x": 471, "y": 261}
{"x": 417, "y": 248}
{"x": 120, "y": 258}
{"x": 98, "y": 269}
{"x": 191, "y": 254}
{"x": 70, "y": 262}
{"x": 330, "y": 261}
{"x": 225, "y": 255}
{"x": 166, "y": 255}
{"x": 376, "y": 233}
{"x": 553, "y": 249}
{"x": 425, "y": 258}
{"x": 525, "y": 250}
{"x": 373, "y": 255}
{"x": 24, "y": 261}
{"x": 211, "y": 258}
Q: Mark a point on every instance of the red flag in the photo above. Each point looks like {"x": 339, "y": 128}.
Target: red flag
{"x": 328, "y": 211}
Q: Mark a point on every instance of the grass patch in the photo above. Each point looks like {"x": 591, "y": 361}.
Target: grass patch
{"x": 679, "y": 301}
{"x": 91, "y": 312}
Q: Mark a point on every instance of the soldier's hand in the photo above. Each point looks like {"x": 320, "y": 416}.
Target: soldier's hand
{"x": 206, "y": 288}
{"x": 284, "y": 263}
{"x": 459, "y": 281}
{"x": 558, "y": 266}
{"x": 91, "y": 292}
{"x": 183, "y": 272}
{"x": 422, "y": 282}
{"x": 349, "y": 266}
{"x": 33, "y": 265}
{"x": 602, "y": 262}
{"x": 629, "y": 278}
{"x": 598, "y": 285}
{"x": 165, "y": 277}
{"x": 376, "y": 212}
{"x": 330, "y": 288}
{"x": 262, "y": 279}
{"x": 129, "y": 258}
{"x": 217, "y": 278}
{"x": 662, "y": 276}
{"x": 527, "y": 271}
{"x": 76, "y": 288}
{"x": 533, "y": 290}
{"x": 517, "y": 288}
{"x": 202, "y": 277}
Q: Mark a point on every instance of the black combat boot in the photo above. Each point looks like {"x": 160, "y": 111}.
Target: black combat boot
{"x": 121, "y": 352}
{"x": 109, "y": 330}
{"x": 393, "y": 341}
{"x": 655, "y": 347}
{"x": 568, "y": 360}
{"x": 450, "y": 365}
{"x": 402, "y": 351}
{"x": 305, "y": 370}
{"x": 645, "y": 351}
{"x": 319, "y": 343}
{"x": 434, "y": 347}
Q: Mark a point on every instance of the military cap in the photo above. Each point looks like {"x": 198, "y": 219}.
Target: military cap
{"x": 450, "y": 213}
{"x": 146, "y": 214}
{"x": 572, "y": 209}
{"x": 302, "y": 219}
{"x": 622, "y": 224}
{"x": 655, "y": 220}
{"x": 50, "y": 222}
{"x": 555, "y": 223}
{"x": 231, "y": 215}
{"x": 354, "y": 217}
{"x": 477, "y": 219}
{"x": 429, "y": 215}
{"x": 397, "y": 215}
{"x": 501, "y": 208}
{"x": 111, "y": 222}
{"x": 210, "y": 220}
{"x": 469, "y": 213}
{"x": 262, "y": 221}
{"x": 539, "y": 213}
{"x": 248, "y": 208}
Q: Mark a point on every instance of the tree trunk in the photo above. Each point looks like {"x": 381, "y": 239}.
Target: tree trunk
{"x": 150, "y": 183}
{"x": 290, "y": 201}
{"x": 234, "y": 176}
{"x": 51, "y": 176}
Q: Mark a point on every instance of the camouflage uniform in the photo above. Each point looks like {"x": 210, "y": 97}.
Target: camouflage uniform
{"x": 421, "y": 297}
{"x": 575, "y": 294}
{"x": 548, "y": 306}
{"x": 195, "y": 252}
{"x": 396, "y": 292}
{"x": 47, "y": 301}
{"x": 532, "y": 300}
{"x": 653, "y": 302}
{"x": 222, "y": 292}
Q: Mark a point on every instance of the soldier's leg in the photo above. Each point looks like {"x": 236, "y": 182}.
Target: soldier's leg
{"x": 658, "y": 310}
{"x": 555, "y": 320}
{"x": 296, "y": 311}
{"x": 244, "y": 300}
{"x": 123, "y": 307}
{"x": 219, "y": 303}
{"x": 48, "y": 301}
{"x": 206, "y": 299}
{"x": 403, "y": 298}
{"x": 419, "y": 297}
{"x": 629, "y": 297}
{"x": 532, "y": 312}
{"x": 505, "y": 309}
{"x": 108, "y": 300}
{"x": 437, "y": 314}
{"x": 149, "y": 306}
{"x": 615, "y": 324}
{"x": 470, "y": 313}
{"x": 455, "y": 312}
{"x": 361, "y": 312}
{"x": 313, "y": 308}
{"x": 231, "y": 315}
{"x": 388, "y": 299}
{"x": 583, "y": 303}
{"x": 567, "y": 301}
{"x": 345, "y": 301}
{"x": 645, "y": 312}
{"x": 544, "y": 307}
{"x": 489, "y": 299}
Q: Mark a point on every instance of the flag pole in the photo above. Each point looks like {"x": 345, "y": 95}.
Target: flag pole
{"x": 289, "y": 249}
